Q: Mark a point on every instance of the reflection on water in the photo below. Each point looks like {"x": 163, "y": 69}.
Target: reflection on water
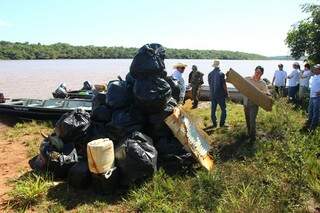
{"x": 38, "y": 78}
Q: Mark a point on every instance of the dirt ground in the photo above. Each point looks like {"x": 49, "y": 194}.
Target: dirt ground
{"x": 13, "y": 159}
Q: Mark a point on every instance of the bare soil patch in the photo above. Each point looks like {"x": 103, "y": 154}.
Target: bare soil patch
{"x": 13, "y": 159}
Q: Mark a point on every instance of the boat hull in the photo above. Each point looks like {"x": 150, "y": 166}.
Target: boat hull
{"x": 19, "y": 109}
{"x": 204, "y": 94}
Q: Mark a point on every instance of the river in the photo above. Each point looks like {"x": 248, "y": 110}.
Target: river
{"x": 38, "y": 78}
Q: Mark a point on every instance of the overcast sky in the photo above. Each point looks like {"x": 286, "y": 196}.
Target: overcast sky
{"x": 255, "y": 26}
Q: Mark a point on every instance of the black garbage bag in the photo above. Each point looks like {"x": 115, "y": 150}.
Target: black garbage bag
{"x": 136, "y": 158}
{"x": 124, "y": 122}
{"x": 149, "y": 61}
{"x": 130, "y": 80}
{"x": 106, "y": 183}
{"x": 173, "y": 158}
{"x": 60, "y": 163}
{"x": 99, "y": 100}
{"x": 156, "y": 126}
{"x": 175, "y": 88}
{"x": 72, "y": 127}
{"x": 151, "y": 94}
{"x": 101, "y": 114}
{"x": 169, "y": 145}
{"x": 118, "y": 94}
{"x": 96, "y": 130}
{"x": 57, "y": 161}
{"x": 79, "y": 175}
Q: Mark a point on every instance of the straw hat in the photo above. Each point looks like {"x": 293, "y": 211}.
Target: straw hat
{"x": 216, "y": 63}
{"x": 180, "y": 65}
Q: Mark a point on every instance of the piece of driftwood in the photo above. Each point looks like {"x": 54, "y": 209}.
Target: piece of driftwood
{"x": 249, "y": 90}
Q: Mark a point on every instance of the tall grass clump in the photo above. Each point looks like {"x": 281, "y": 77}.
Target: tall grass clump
{"x": 29, "y": 190}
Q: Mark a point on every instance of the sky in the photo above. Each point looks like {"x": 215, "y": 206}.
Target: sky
{"x": 254, "y": 26}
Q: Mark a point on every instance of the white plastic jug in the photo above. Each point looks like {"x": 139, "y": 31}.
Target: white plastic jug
{"x": 100, "y": 155}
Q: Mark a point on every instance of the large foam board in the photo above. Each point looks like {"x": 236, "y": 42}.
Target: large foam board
{"x": 249, "y": 90}
{"x": 191, "y": 137}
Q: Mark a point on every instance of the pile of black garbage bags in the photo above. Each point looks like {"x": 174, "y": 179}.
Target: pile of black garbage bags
{"x": 131, "y": 114}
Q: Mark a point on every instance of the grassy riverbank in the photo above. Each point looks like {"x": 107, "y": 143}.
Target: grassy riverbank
{"x": 279, "y": 172}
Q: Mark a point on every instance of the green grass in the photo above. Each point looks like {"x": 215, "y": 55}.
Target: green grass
{"x": 279, "y": 172}
{"x": 29, "y": 190}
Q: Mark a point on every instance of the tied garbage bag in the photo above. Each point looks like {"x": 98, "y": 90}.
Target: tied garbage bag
{"x": 59, "y": 163}
{"x": 101, "y": 114}
{"x": 136, "y": 158}
{"x": 56, "y": 161}
{"x": 172, "y": 156}
{"x": 175, "y": 88}
{"x": 99, "y": 100}
{"x": 151, "y": 94}
{"x": 130, "y": 80}
{"x": 118, "y": 94}
{"x": 79, "y": 175}
{"x": 149, "y": 61}
{"x": 156, "y": 127}
{"x": 106, "y": 183}
{"x": 96, "y": 130}
{"x": 169, "y": 145}
{"x": 124, "y": 122}
{"x": 49, "y": 144}
{"x": 72, "y": 127}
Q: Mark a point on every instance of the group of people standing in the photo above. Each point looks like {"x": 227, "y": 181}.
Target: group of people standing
{"x": 298, "y": 82}
{"x": 219, "y": 93}
{"x": 302, "y": 84}
{"x": 300, "y": 87}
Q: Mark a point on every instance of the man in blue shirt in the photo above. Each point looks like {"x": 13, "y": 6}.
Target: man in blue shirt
{"x": 218, "y": 93}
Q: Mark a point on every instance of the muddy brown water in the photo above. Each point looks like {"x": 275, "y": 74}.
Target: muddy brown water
{"x": 38, "y": 78}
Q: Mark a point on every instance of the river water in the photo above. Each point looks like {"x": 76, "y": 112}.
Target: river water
{"x": 38, "y": 78}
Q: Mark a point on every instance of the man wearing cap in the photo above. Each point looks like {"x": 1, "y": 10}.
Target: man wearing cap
{"x": 294, "y": 82}
{"x": 177, "y": 75}
{"x": 280, "y": 80}
{"x": 218, "y": 93}
{"x": 195, "y": 80}
{"x": 314, "y": 102}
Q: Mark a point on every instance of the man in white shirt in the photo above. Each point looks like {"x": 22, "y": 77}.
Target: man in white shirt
{"x": 177, "y": 75}
{"x": 294, "y": 82}
{"x": 305, "y": 76}
{"x": 314, "y": 103}
{"x": 280, "y": 80}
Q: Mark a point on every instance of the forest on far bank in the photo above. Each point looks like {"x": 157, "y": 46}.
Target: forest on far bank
{"x": 18, "y": 51}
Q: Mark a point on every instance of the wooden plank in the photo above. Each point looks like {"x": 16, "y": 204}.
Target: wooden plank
{"x": 249, "y": 90}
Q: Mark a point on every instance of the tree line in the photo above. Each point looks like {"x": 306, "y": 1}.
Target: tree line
{"x": 18, "y": 50}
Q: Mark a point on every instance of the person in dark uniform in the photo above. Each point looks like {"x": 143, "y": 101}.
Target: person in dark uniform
{"x": 195, "y": 80}
{"x": 218, "y": 94}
